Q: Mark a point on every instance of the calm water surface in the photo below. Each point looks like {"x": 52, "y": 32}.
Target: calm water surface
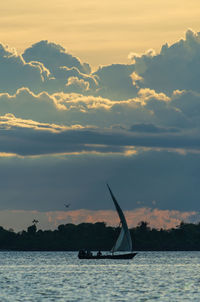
{"x": 60, "y": 276}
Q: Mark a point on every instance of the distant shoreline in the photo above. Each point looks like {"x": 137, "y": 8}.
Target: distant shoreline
{"x": 98, "y": 236}
{"x": 60, "y": 251}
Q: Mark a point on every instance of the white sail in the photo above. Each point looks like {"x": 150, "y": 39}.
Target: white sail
{"x": 124, "y": 242}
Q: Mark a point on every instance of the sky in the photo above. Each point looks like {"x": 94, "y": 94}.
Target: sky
{"x": 99, "y": 32}
{"x": 94, "y": 92}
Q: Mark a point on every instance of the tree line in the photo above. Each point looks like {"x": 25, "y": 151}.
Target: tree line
{"x": 70, "y": 237}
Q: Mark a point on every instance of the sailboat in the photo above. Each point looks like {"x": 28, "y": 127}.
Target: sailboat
{"x": 123, "y": 243}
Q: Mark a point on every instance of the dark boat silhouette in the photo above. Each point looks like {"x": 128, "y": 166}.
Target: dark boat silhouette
{"x": 123, "y": 243}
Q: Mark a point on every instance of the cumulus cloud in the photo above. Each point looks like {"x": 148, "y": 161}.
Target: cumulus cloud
{"x": 115, "y": 81}
{"x": 15, "y": 72}
{"x": 189, "y": 104}
{"x": 74, "y": 81}
{"x": 68, "y": 108}
{"x": 26, "y": 104}
{"x": 48, "y": 66}
{"x": 175, "y": 67}
{"x": 53, "y": 56}
{"x": 149, "y": 53}
{"x": 148, "y": 107}
{"x": 136, "y": 78}
{"x": 62, "y": 66}
{"x": 44, "y": 66}
{"x": 63, "y": 75}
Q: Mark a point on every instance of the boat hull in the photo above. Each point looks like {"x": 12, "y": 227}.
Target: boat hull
{"x": 119, "y": 256}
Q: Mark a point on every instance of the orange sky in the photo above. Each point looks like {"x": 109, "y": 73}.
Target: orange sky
{"x": 100, "y": 32}
{"x": 21, "y": 219}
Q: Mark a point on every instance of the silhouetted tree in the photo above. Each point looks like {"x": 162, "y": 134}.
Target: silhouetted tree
{"x": 32, "y": 229}
{"x": 185, "y": 236}
{"x": 143, "y": 226}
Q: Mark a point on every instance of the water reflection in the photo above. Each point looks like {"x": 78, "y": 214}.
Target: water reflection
{"x": 61, "y": 276}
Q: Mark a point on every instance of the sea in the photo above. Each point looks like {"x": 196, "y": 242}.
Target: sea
{"x": 61, "y": 276}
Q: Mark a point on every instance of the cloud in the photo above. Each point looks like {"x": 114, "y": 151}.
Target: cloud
{"x": 64, "y": 75}
{"x": 189, "y": 104}
{"x": 149, "y": 53}
{"x": 80, "y": 123}
{"x": 145, "y": 95}
{"x": 63, "y": 127}
{"x": 67, "y": 108}
{"x": 74, "y": 81}
{"x": 53, "y": 56}
{"x": 175, "y": 67}
{"x": 116, "y": 82}
{"x": 70, "y": 107}
{"x": 9, "y": 121}
{"x": 26, "y": 104}
{"x": 16, "y": 73}
{"x": 151, "y": 128}
{"x": 46, "y": 66}
{"x": 62, "y": 66}
{"x": 31, "y": 138}
{"x": 44, "y": 183}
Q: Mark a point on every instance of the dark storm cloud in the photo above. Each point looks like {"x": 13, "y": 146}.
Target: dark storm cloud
{"x": 170, "y": 179}
{"x": 27, "y": 137}
{"x": 151, "y": 128}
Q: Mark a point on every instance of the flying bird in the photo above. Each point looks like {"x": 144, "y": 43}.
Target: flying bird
{"x": 67, "y": 205}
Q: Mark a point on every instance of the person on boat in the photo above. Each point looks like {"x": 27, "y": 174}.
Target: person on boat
{"x": 81, "y": 253}
{"x": 89, "y": 253}
{"x": 99, "y": 254}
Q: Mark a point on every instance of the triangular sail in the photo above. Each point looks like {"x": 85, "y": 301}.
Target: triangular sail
{"x": 124, "y": 242}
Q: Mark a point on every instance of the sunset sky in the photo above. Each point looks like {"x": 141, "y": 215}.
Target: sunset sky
{"x": 94, "y": 92}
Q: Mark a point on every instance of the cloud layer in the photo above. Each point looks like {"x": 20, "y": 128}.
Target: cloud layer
{"x": 156, "y": 179}
{"x": 175, "y": 67}
{"x": 65, "y": 130}
{"x": 46, "y": 66}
